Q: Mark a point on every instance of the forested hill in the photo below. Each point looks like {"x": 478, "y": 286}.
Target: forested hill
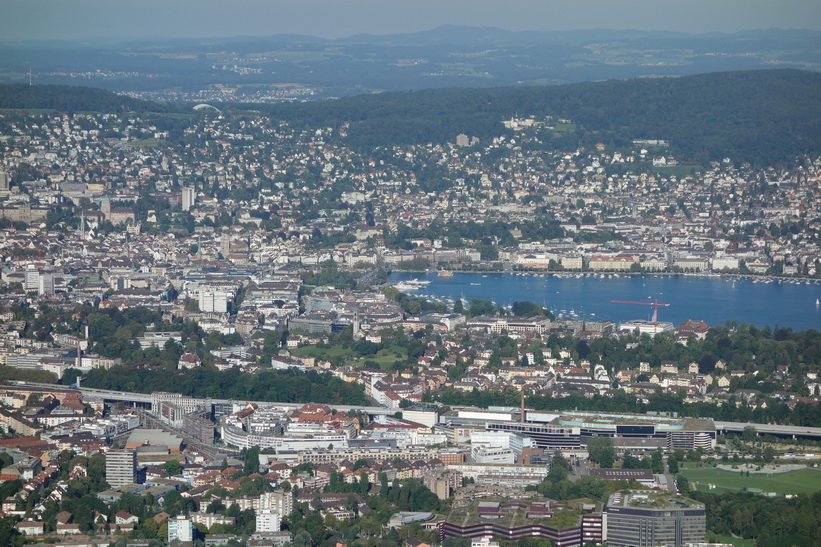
{"x": 763, "y": 117}
{"x": 64, "y": 98}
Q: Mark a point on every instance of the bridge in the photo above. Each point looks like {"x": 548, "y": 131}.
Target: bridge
{"x": 143, "y": 400}
{"x": 784, "y": 431}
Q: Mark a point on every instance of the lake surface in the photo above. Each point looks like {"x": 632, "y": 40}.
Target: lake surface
{"x": 785, "y": 303}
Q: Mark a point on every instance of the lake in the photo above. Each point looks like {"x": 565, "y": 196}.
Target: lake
{"x": 715, "y": 300}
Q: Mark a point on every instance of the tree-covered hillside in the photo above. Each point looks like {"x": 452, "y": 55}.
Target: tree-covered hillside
{"x": 64, "y": 98}
{"x": 762, "y": 117}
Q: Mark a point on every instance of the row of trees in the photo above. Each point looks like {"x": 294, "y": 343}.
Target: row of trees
{"x": 770, "y": 522}
{"x": 288, "y": 386}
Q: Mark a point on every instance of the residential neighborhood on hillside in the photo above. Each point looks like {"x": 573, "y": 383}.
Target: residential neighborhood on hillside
{"x": 200, "y": 344}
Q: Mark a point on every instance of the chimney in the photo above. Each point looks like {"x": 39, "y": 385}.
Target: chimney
{"x": 523, "y": 405}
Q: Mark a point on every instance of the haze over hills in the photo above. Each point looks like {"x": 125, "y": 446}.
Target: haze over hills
{"x": 763, "y": 117}
{"x": 294, "y": 67}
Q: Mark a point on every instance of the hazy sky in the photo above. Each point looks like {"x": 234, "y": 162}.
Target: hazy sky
{"x": 60, "y": 19}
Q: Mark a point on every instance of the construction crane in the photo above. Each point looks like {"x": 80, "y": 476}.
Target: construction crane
{"x": 655, "y": 303}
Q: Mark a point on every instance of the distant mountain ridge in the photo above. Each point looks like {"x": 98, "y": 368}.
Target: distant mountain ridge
{"x": 445, "y": 34}
{"x": 256, "y": 68}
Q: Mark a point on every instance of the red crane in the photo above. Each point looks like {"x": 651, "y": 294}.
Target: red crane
{"x": 655, "y": 303}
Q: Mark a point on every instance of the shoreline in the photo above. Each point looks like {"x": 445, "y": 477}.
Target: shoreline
{"x": 719, "y": 298}
{"x": 610, "y": 273}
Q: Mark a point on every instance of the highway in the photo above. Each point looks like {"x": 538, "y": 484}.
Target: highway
{"x": 144, "y": 400}
{"x": 791, "y": 431}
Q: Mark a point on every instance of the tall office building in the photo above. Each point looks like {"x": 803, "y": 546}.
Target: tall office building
{"x": 189, "y": 196}
{"x": 647, "y": 518}
{"x": 105, "y": 207}
{"x": 32, "y": 278}
{"x": 5, "y": 180}
{"x": 46, "y": 283}
{"x": 213, "y": 301}
{"x": 180, "y": 528}
{"x": 120, "y": 467}
{"x": 225, "y": 244}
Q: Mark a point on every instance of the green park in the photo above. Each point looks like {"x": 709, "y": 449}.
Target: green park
{"x": 802, "y": 481}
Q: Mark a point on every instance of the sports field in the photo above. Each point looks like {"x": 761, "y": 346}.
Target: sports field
{"x": 791, "y": 482}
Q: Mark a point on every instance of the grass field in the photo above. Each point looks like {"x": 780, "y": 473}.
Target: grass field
{"x": 792, "y": 482}
{"x": 148, "y": 143}
{"x": 324, "y": 353}
{"x": 384, "y": 359}
{"x": 679, "y": 170}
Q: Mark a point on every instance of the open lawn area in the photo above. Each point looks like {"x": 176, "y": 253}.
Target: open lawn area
{"x": 324, "y": 353}
{"x": 680, "y": 170}
{"x": 385, "y": 358}
{"x": 791, "y": 482}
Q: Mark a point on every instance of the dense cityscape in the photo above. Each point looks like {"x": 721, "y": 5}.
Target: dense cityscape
{"x": 201, "y": 343}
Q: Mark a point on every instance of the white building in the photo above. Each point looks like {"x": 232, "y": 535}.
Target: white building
{"x": 424, "y": 417}
{"x": 211, "y": 301}
{"x": 189, "y": 197}
{"x": 180, "y": 528}
{"x": 487, "y": 455}
{"x": 729, "y": 263}
{"x": 500, "y": 439}
{"x": 45, "y": 283}
{"x": 268, "y": 520}
{"x": 646, "y": 327}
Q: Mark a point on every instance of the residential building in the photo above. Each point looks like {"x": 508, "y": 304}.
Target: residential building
{"x": 180, "y": 528}
{"x": 120, "y": 466}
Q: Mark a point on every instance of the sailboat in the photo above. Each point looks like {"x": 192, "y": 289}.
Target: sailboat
{"x": 817, "y": 302}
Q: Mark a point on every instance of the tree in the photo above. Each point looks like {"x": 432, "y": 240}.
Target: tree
{"x": 302, "y": 539}
{"x": 601, "y": 451}
{"x": 526, "y": 309}
{"x": 252, "y": 460}
{"x": 657, "y": 461}
{"x": 480, "y": 307}
{"x": 595, "y": 488}
{"x": 630, "y": 462}
{"x": 683, "y": 485}
{"x": 559, "y": 468}
{"x": 173, "y": 467}
{"x": 672, "y": 464}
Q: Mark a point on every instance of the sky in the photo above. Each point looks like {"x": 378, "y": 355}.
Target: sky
{"x": 80, "y": 19}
